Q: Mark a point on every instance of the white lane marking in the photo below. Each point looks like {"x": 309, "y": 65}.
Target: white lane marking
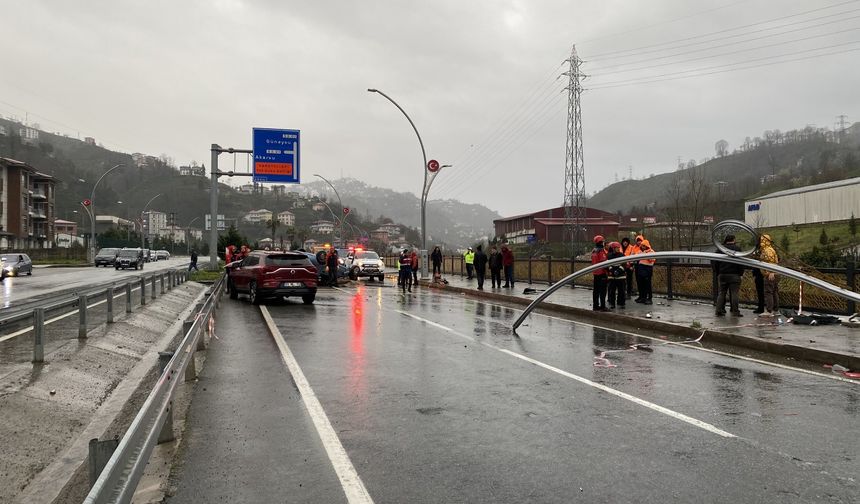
{"x": 59, "y": 317}
{"x": 352, "y": 485}
{"x": 701, "y": 349}
{"x": 660, "y": 409}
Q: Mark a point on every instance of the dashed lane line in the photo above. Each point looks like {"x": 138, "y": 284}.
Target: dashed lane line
{"x": 655, "y": 407}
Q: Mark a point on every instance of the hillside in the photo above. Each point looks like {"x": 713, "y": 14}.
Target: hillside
{"x": 77, "y": 165}
{"x": 774, "y": 162}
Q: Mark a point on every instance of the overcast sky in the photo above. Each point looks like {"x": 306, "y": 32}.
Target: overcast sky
{"x": 477, "y": 77}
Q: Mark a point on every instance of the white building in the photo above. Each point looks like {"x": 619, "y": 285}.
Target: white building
{"x": 222, "y": 222}
{"x": 287, "y": 218}
{"x": 322, "y": 227}
{"x": 154, "y": 223}
{"x": 28, "y": 135}
{"x": 318, "y": 206}
{"x": 258, "y": 216}
{"x": 831, "y": 201}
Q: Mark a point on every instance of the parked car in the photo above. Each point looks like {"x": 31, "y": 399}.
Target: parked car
{"x": 366, "y": 263}
{"x": 269, "y": 274}
{"x": 16, "y": 264}
{"x": 106, "y": 257}
{"x": 129, "y": 258}
{"x": 147, "y": 255}
{"x": 162, "y": 255}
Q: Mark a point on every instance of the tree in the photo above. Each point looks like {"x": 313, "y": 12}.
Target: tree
{"x": 273, "y": 224}
{"x": 785, "y": 243}
{"x": 852, "y": 227}
{"x": 231, "y": 237}
{"x": 822, "y": 238}
{"x": 722, "y": 148}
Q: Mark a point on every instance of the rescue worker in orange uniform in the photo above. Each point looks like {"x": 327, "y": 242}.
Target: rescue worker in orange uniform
{"x": 644, "y": 272}
{"x": 598, "y": 295}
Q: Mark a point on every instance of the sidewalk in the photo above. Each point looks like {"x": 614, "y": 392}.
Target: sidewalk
{"x": 830, "y": 344}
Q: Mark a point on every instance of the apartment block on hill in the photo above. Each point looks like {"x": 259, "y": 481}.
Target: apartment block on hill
{"x": 26, "y": 206}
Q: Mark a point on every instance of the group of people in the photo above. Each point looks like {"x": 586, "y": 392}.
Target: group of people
{"x": 766, "y": 283}
{"x": 497, "y": 260}
{"x": 617, "y": 280}
{"x": 408, "y": 274}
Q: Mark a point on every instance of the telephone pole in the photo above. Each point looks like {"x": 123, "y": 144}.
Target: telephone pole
{"x": 574, "y": 168}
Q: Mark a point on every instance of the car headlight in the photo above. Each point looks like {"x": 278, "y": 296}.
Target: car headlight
{"x": 9, "y": 268}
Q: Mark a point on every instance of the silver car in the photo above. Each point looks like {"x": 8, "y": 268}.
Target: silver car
{"x": 16, "y": 265}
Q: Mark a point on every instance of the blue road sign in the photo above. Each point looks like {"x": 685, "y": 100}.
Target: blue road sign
{"x": 276, "y": 155}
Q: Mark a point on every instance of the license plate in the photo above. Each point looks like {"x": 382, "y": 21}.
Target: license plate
{"x": 371, "y": 270}
{"x": 292, "y": 284}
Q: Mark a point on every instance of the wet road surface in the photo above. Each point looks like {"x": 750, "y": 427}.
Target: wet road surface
{"x": 433, "y": 399}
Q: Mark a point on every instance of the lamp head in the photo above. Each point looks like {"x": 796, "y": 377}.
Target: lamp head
{"x": 371, "y": 90}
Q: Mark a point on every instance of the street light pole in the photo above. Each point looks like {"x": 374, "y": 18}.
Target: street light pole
{"x": 188, "y": 235}
{"x": 424, "y": 187}
{"x": 142, "y": 244}
{"x": 339, "y": 202}
{"x": 93, "y": 213}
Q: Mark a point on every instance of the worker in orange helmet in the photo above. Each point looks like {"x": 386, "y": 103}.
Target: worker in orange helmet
{"x": 644, "y": 272}
{"x": 598, "y": 295}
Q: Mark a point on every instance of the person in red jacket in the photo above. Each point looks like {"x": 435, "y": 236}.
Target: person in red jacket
{"x": 508, "y": 265}
{"x": 414, "y": 263}
{"x": 598, "y": 295}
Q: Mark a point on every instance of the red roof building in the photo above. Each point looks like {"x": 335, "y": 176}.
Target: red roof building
{"x": 549, "y": 225}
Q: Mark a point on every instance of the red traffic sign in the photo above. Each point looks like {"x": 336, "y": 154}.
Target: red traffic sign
{"x": 433, "y": 165}
{"x": 87, "y": 202}
{"x": 346, "y": 210}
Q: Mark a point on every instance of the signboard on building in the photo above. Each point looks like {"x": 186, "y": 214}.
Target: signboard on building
{"x": 222, "y": 222}
{"x": 649, "y": 220}
{"x": 708, "y": 219}
{"x": 276, "y": 155}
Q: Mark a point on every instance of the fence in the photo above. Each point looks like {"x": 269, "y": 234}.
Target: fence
{"x": 688, "y": 280}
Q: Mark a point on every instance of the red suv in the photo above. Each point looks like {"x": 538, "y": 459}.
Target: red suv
{"x": 264, "y": 274}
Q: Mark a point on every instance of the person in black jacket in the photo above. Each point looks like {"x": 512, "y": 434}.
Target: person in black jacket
{"x": 495, "y": 261}
{"x": 480, "y": 266}
{"x": 436, "y": 259}
{"x": 729, "y": 276}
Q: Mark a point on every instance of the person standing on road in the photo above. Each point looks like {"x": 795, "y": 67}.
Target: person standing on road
{"x": 405, "y": 278}
{"x": 413, "y": 263}
{"x": 758, "y": 278}
{"x": 598, "y": 295}
{"x": 771, "y": 280}
{"x": 495, "y": 261}
{"x": 617, "y": 277}
{"x": 469, "y": 259}
{"x": 436, "y": 259}
{"x": 193, "y": 263}
{"x": 644, "y": 273}
{"x": 729, "y": 276}
{"x": 331, "y": 262}
{"x": 480, "y": 267}
{"x": 627, "y": 249}
{"x": 508, "y": 265}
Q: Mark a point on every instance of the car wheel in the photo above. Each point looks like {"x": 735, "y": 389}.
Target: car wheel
{"x": 234, "y": 294}
{"x": 253, "y": 295}
{"x": 381, "y": 278}
{"x": 30, "y": 273}
{"x": 309, "y": 298}
{"x": 353, "y": 274}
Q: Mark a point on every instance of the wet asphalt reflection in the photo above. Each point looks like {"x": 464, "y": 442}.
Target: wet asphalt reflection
{"x": 431, "y": 408}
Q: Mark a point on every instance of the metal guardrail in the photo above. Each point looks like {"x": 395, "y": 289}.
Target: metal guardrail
{"x": 82, "y": 301}
{"x": 153, "y": 423}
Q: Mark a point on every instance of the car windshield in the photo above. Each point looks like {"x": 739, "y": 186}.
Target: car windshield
{"x": 107, "y": 251}
{"x": 9, "y": 259}
{"x": 366, "y": 255}
{"x": 287, "y": 260}
{"x": 128, "y": 253}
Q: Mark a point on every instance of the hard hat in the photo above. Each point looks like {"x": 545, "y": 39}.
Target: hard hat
{"x": 598, "y": 239}
{"x": 613, "y": 245}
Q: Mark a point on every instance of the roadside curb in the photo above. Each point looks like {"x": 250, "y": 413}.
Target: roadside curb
{"x": 798, "y": 352}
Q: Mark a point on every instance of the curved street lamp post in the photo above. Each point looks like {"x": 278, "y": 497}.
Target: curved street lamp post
{"x": 92, "y": 210}
{"x": 188, "y": 234}
{"x": 425, "y": 188}
{"x": 339, "y": 202}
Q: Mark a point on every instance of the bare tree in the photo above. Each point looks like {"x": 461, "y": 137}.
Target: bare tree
{"x": 722, "y": 148}
{"x": 698, "y": 195}
{"x": 675, "y": 199}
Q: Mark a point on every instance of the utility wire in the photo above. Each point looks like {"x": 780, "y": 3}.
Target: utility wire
{"x": 604, "y": 55}
{"x": 622, "y": 65}
{"x": 645, "y": 80}
{"x": 464, "y": 170}
{"x": 757, "y": 48}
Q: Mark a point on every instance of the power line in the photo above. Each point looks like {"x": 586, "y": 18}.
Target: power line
{"x": 645, "y": 80}
{"x": 736, "y": 42}
{"x": 757, "y": 48}
{"x": 598, "y": 56}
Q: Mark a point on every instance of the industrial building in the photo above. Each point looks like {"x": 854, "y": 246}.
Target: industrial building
{"x": 831, "y": 201}
{"x": 549, "y": 226}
